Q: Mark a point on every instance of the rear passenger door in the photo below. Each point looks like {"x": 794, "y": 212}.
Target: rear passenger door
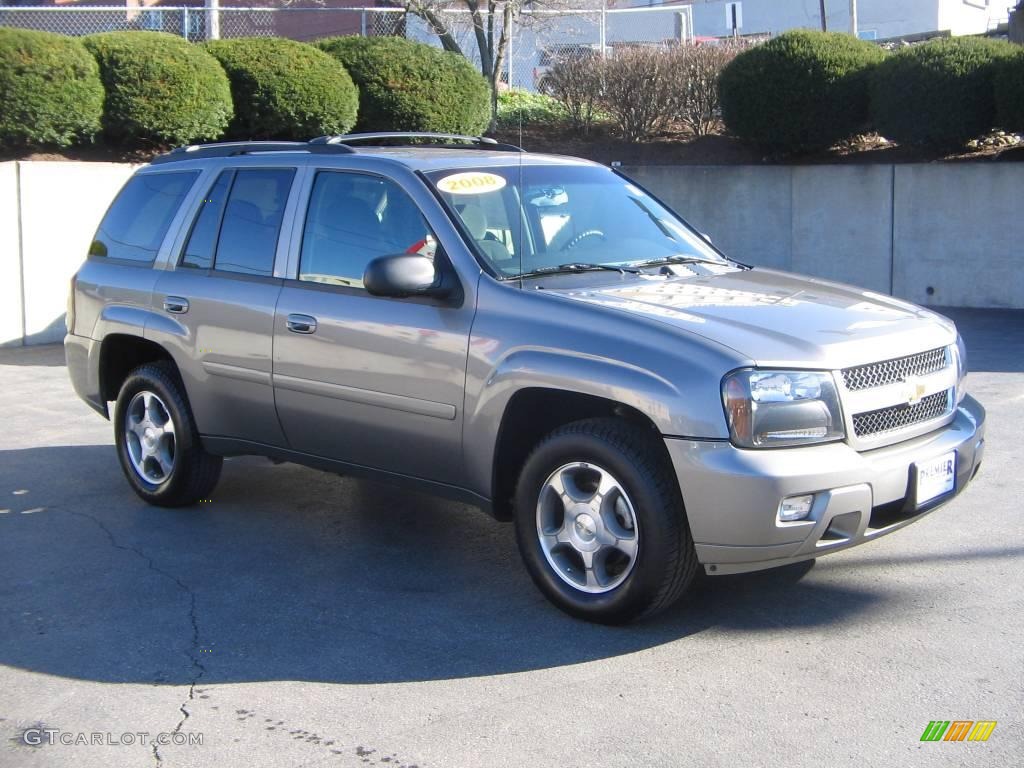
{"x": 218, "y": 299}
{"x": 372, "y": 381}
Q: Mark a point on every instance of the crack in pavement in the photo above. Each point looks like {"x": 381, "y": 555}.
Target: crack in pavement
{"x": 197, "y": 665}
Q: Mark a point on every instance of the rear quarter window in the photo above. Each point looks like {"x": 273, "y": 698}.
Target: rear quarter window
{"x": 138, "y": 219}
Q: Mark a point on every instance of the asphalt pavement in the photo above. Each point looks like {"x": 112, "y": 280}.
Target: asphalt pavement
{"x": 305, "y": 619}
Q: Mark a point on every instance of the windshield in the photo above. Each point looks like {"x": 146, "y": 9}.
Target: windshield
{"x": 538, "y": 218}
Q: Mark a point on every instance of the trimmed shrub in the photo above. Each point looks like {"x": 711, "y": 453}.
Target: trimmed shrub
{"x": 801, "y": 90}
{"x": 283, "y": 89}
{"x": 160, "y": 89}
{"x": 1009, "y": 92}
{"x": 940, "y": 93}
{"x": 407, "y": 86}
{"x": 50, "y": 90}
{"x": 517, "y": 106}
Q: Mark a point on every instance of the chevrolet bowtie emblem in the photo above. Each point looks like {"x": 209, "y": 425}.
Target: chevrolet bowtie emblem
{"x": 915, "y": 390}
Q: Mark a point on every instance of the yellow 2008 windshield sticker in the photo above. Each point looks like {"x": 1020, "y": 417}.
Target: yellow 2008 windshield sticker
{"x": 471, "y": 183}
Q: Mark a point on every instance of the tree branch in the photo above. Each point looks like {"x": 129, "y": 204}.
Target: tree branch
{"x": 436, "y": 23}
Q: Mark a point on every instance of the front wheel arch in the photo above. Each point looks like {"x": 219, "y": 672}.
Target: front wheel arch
{"x": 531, "y": 414}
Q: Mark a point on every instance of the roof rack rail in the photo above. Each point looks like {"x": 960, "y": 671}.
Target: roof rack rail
{"x": 235, "y": 148}
{"x": 478, "y": 142}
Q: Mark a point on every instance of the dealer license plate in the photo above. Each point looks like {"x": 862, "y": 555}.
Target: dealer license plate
{"x": 935, "y": 477}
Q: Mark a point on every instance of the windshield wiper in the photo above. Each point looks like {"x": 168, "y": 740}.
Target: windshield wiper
{"x": 674, "y": 260}
{"x": 578, "y": 267}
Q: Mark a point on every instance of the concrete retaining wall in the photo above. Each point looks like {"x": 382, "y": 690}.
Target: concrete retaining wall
{"x": 11, "y": 315}
{"x": 48, "y": 216}
{"x": 945, "y": 235}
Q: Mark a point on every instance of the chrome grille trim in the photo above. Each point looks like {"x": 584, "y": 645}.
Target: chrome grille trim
{"x": 898, "y": 369}
{"x": 898, "y": 417}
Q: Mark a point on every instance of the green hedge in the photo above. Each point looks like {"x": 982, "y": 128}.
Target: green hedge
{"x": 940, "y": 93}
{"x": 50, "y": 90}
{"x": 160, "y": 88}
{"x": 407, "y": 86}
{"x": 517, "y": 107}
{"x": 285, "y": 90}
{"x": 801, "y": 90}
{"x": 1009, "y": 92}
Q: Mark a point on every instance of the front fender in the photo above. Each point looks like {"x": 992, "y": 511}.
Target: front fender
{"x": 664, "y": 402}
{"x": 601, "y": 377}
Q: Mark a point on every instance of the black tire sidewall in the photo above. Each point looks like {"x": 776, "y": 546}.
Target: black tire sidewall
{"x": 160, "y": 382}
{"x": 654, "y": 553}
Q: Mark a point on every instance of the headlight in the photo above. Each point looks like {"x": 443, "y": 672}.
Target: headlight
{"x": 959, "y": 352}
{"x": 768, "y": 409}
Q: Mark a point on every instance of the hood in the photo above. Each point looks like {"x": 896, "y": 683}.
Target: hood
{"x": 772, "y": 318}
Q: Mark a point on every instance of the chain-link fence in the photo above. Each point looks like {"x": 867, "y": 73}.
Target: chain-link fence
{"x": 197, "y": 23}
{"x": 535, "y": 40}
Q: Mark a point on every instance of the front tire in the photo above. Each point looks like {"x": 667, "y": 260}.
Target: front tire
{"x": 600, "y": 522}
{"x": 157, "y": 440}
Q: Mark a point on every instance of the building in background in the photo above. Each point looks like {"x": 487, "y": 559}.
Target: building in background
{"x": 877, "y": 19}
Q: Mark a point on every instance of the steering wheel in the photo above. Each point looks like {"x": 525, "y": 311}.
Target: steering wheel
{"x": 581, "y": 237}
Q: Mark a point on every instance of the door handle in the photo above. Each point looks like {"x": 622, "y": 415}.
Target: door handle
{"x": 176, "y": 305}
{"x": 301, "y": 324}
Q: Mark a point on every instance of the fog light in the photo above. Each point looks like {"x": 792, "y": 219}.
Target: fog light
{"x": 796, "y": 508}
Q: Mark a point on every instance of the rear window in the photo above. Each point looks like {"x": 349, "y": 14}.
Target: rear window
{"x": 139, "y": 217}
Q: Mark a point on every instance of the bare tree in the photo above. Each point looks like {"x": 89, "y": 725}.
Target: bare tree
{"x": 491, "y": 24}
{"x": 639, "y": 91}
{"x": 576, "y": 82}
{"x": 695, "y": 70}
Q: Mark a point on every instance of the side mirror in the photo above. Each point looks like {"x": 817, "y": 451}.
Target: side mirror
{"x": 403, "y": 275}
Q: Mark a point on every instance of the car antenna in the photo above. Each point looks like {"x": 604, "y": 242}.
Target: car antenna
{"x": 519, "y": 192}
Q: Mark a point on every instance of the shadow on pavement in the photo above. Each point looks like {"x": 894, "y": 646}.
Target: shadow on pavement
{"x": 51, "y": 355}
{"x": 291, "y": 574}
{"x": 994, "y": 337}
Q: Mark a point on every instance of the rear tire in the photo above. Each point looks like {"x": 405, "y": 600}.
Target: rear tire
{"x": 157, "y": 441}
{"x": 602, "y": 492}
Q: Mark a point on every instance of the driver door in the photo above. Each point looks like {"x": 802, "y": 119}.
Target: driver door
{"x": 368, "y": 380}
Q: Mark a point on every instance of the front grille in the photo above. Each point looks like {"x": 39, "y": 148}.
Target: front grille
{"x": 891, "y": 371}
{"x": 900, "y": 416}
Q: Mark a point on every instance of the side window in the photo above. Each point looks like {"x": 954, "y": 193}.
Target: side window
{"x": 139, "y": 217}
{"x": 354, "y": 218}
{"x": 239, "y": 222}
{"x": 202, "y": 241}
{"x": 252, "y": 221}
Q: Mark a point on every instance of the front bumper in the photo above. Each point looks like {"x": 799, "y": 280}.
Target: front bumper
{"x": 732, "y": 495}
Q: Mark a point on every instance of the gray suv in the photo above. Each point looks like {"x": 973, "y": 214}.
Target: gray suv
{"x": 532, "y": 334}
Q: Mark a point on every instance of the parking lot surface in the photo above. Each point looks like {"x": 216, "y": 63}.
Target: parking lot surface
{"x": 305, "y": 619}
